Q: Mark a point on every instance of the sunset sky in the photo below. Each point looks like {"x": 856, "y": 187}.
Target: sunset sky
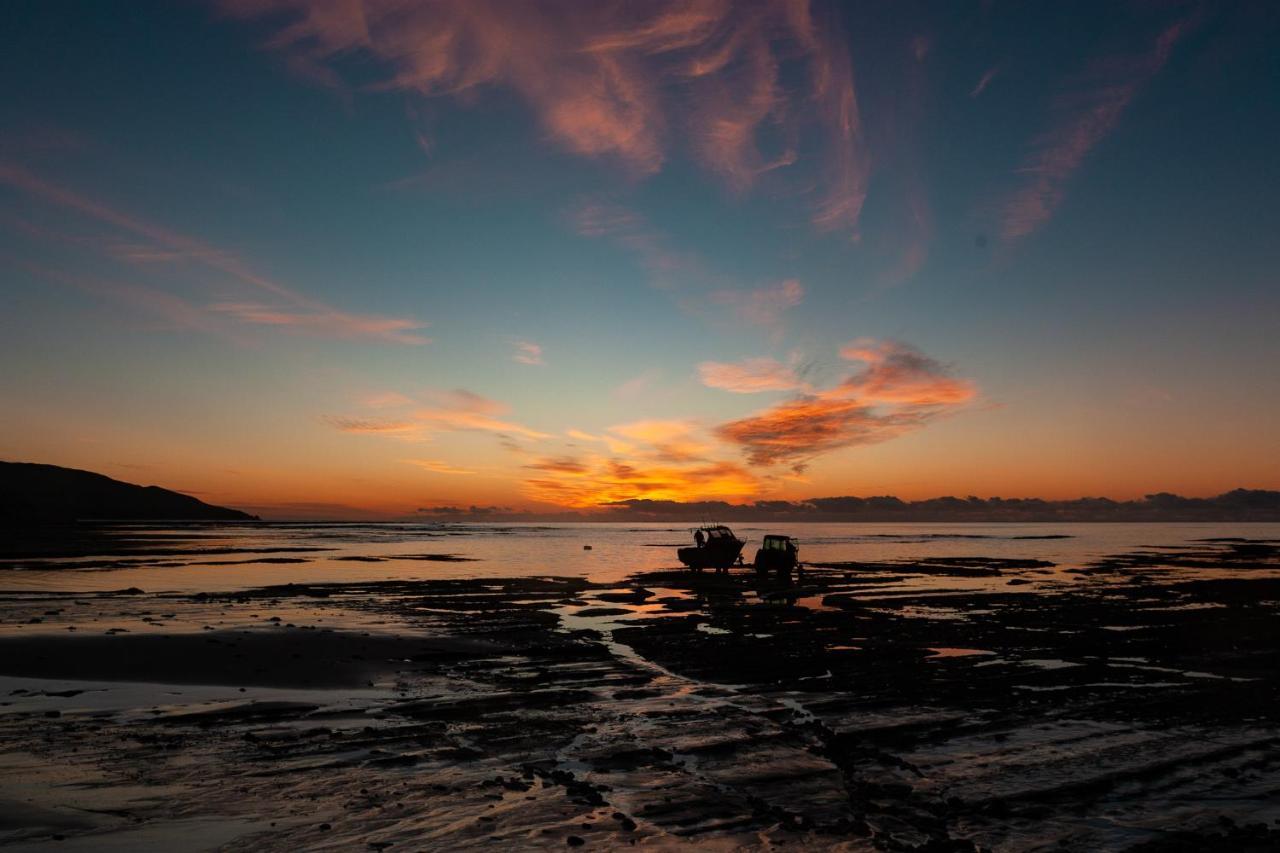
{"x": 333, "y": 257}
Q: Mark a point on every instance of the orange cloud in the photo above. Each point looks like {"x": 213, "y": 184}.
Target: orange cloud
{"x": 1081, "y": 121}
{"x": 750, "y": 376}
{"x": 655, "y": 459}
{"x": 614, "y": 79}
{"x": 899, "y": 390}
{"x": 667, "y": 440}
{"x": 797, "y": 430}
{"x": 561, "y": 465}
{"x": 601, "y": 481}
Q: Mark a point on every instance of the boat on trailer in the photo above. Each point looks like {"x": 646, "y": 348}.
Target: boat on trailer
{"x": 718, "y": 548}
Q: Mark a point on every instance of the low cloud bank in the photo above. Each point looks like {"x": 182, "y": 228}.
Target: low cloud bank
{"x": 1236, "y": 505}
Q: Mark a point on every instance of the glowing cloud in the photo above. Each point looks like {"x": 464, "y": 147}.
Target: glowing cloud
{"x": 599, "y": 482}
{"x": 898, "y": 391}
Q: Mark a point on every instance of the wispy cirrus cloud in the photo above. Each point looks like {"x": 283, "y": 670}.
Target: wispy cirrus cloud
{"x": 373, "y": 426}
{"x": 426, "y": 415}
{"x": 1082, "y": 118}
{"x": 750, "y": 376}
{"x": 291, "y": 308}
{"x": 329, "y": 324}
{"x": 462, "y": 410}
{"x": 984, "y": 81}
{"x": 437, "y": 466}
{"x": 764, "y": 307}
{"x": 458, "y": 410}
{"x": 667, "y": 267}
{"x": 615, "y": 80}
{"x": 527, "y": 353}
{"x": 898, "y": 390}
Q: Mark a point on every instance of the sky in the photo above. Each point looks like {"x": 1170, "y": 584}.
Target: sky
{"x": 363, "y": 258}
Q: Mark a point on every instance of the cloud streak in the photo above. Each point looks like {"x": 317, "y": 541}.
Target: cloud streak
{"x": 458, "y": 410}
{"x": 750, "y": 376}
{"x": 329, "y": 324}
{"x": 1080, "y": 120}
{"x": 294, "y": 309}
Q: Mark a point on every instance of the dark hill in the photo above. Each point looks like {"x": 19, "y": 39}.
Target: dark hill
{"x": 41, "y": 493}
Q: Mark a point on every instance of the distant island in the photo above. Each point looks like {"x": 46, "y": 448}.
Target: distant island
{"x": 31, "y": 492}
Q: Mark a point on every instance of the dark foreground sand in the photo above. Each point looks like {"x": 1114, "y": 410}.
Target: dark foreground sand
{"x": 1134, "y": 708}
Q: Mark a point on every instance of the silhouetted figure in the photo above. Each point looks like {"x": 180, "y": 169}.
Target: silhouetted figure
{"x": 699, "y": 538}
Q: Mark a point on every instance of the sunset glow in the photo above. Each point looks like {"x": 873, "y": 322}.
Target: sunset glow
{"x": 366, "y": 258}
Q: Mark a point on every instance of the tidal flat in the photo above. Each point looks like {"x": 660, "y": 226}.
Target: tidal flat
{"x": 946, "y": 703}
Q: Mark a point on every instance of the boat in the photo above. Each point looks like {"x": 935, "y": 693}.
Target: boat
{"x": 778, "y": 554}
{"x": 718, "y": 548}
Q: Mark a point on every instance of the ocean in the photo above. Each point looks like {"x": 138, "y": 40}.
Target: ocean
{"x": 186, "y": 558}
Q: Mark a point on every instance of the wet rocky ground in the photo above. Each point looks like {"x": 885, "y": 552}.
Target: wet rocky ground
{"x": 954, "y": 704}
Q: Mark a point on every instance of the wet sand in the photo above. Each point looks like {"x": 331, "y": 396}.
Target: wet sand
{"x": 948, "y": 704}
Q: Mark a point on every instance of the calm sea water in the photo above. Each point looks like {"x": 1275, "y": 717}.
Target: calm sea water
{"x": 228, "y": 557}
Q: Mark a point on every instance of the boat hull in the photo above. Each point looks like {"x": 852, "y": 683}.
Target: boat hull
{"x": 719, "y": 556}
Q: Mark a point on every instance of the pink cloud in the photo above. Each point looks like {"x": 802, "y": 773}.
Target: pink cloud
{"x": 984, "y": 81}
{"x": 527, "y": 353}
{"x": 1080, "y": 121}
{"x": 749, "y": 376}
{"x": 297, "y": 310}
{"x": 613, "y": 80}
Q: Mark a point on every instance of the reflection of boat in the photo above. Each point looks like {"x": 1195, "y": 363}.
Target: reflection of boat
{"x": 778, "y": 554}
{"x": 717, "y": 548}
